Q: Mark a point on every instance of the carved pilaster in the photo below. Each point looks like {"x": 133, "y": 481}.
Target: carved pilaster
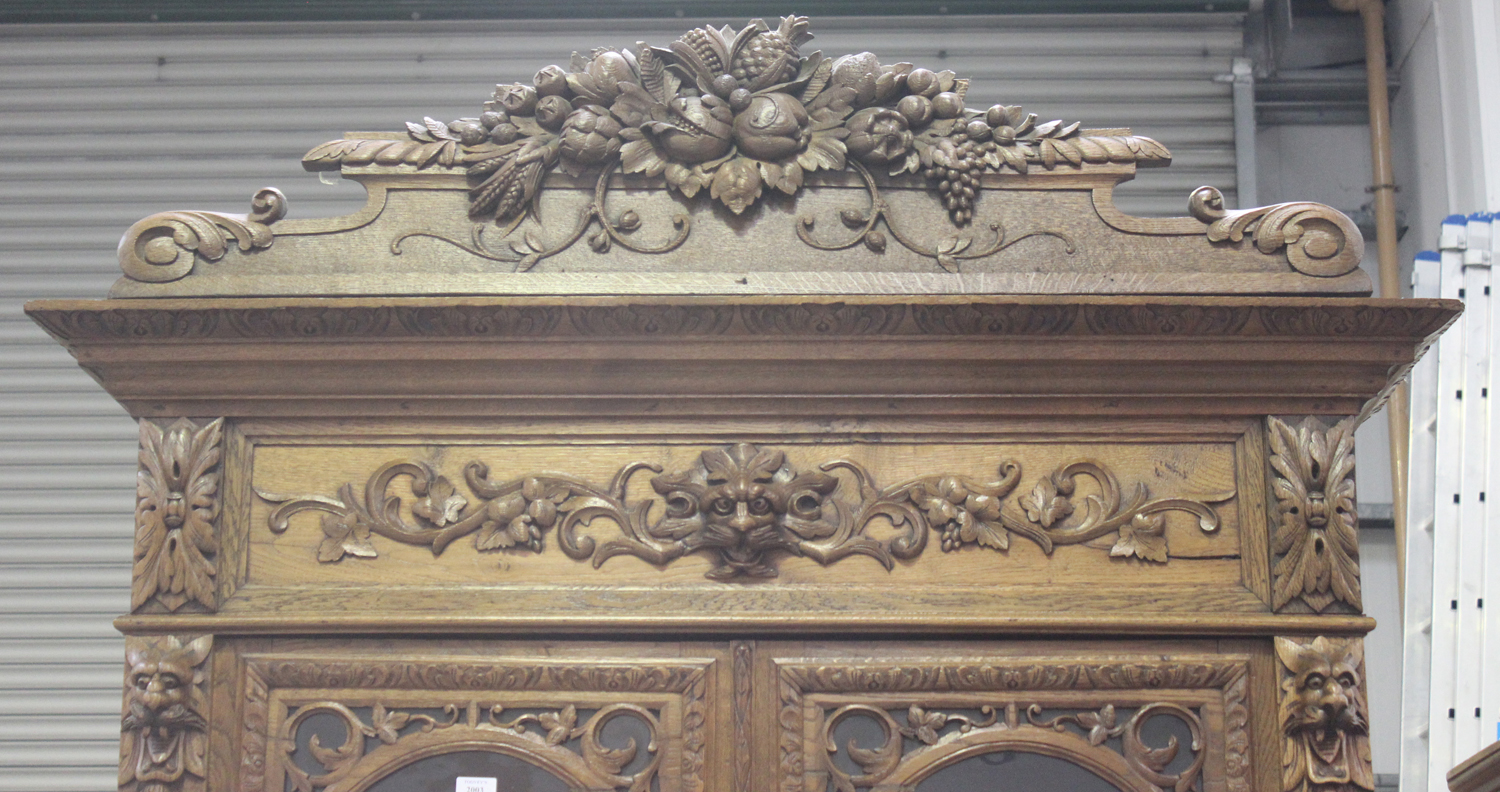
{"x": 176, "y": 510}
{"x": 163, "y": 732}
{"x": 1323, "y": 716}
{"x": 1316, "y": 543}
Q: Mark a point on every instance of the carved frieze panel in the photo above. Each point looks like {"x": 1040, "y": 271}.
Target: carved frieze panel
{"x": 931, "y": 714}
{"x": 1323, "y": 715}
{"x": 552, "y": 715}
{"x": 164, "y": 728}
{"x": 176, "y": 514}
{"x": 746, "y": 507}
{"x": 1315, "y": 541}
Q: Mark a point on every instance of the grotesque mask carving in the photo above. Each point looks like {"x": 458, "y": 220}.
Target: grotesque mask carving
{"x": 744, "y": 503}
{"x": 163, "y": 729}
{"x": 1323, "y": 716}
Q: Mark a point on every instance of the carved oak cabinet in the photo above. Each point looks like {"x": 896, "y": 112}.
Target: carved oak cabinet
{"x": 726, "y": 417}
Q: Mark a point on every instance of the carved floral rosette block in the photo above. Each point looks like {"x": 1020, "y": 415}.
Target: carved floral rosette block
{"x": 176, "y": 513}
{"x": 745, "y": 506}
{"x": 164, "y": 729}
{"x": 551, "y": 714}
{"x": 1316, "y": 538}
{"x": 1324, "y": 716}
{"x": 934, "y": 713}
{"x": 848, "y": 164}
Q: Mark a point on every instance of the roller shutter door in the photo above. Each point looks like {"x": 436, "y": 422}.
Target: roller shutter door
{"x": 101, "y": 125}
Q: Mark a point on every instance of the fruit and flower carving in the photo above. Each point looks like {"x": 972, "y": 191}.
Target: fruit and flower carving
{"x": 735, "y": 113}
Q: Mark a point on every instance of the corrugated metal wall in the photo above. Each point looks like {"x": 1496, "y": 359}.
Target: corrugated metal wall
{"x": 103, "y": 125}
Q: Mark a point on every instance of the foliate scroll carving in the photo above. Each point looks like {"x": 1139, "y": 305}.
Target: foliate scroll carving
{"x": 734, "y": 113}
{"x": 1316, "y": 542}
{"x": 163, "y": 733}
{"x": 547, "y": 737}
{"x": 177, "y": 504}
{"x": 1319, "y": 240}
{"x": 164, "y": 247}
{"x": 746, "y": 506}
{"x": 952, "y": 711}
{"x": 1323, "y": 716}
{"x": 1078, "y": 734}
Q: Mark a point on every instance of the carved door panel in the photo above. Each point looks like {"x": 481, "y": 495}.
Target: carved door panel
{"x": 1023, "y": 715}
{"x": 405, "y": 715}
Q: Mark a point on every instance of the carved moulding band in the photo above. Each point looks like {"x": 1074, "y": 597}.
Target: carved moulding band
{"x": 164, "y": 728}
{"x": 686, "y": 318}
{"x": 1315, "y": 544}
{"x": 176, "y": 514}
{"x": 1323, "y": 715}
{"x": 747, "y": 507}
{"x": 165, "y": 247}
{"x": 1070, "y": 711}
{"x": 551, "y": 715}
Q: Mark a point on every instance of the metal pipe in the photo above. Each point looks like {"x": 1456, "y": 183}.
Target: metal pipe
{"x": 1373, "y": 14}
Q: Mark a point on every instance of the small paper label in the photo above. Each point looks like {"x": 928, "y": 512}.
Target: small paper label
{"x": 467, "y": 784}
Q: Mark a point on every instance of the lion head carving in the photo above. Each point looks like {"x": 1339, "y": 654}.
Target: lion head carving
{"x": 163, "y": 730}
{"x": 1323, "y": 716}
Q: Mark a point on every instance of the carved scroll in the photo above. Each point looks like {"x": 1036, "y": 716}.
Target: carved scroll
{"x": 177, "y": 504}
{"x": 1324, "y": 720}
{"x": 1319, "y": 240}
{"x": 163, "y": 733}
{"x": 746, "y": 506}
{"x": 165, "y": 247}
{"x": 1316, "y": 542}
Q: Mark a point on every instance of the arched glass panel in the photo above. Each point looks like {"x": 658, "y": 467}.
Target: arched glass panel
{"x": 438, "y": 773}
{"x": 1014, "y": 771}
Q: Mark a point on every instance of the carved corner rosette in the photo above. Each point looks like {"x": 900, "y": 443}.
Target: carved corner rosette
{"x": 176, "y": 513}
{"x": 746, "y": 507}
{"x": 163, "y": 731}
{"x": 166, "y": 246}
{"x": 1097, "y": 724}
{"x": 1315, "y": 544}
{"x": 1324, "y": 718}
{"x": 558, "y": 725}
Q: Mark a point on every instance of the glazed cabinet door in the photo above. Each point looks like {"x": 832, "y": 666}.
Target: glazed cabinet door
{"x": 415, "y": 715}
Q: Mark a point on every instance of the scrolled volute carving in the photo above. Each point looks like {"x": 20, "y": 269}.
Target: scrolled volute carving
{"x": 1316, "y": 541}
{"x": 1319, "y": 240}
{"x": 163, "y": 732}
{"x": 1324, "y": 719}
{"x": 746, "y": 507}
{"x": 177, "y": 504}
{"x": 165, "y": 246}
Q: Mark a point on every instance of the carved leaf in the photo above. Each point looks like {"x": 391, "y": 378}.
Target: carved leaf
{"x": 1044, "y": 505}
{"x": 442, "y": 504}
{"x": 1144, "y": 537}
{"x": 387, "y": 725}
{"x": 559, "y": 725}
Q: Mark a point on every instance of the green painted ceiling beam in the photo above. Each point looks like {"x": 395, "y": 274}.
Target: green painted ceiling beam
{"x": 64, "y": 11}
